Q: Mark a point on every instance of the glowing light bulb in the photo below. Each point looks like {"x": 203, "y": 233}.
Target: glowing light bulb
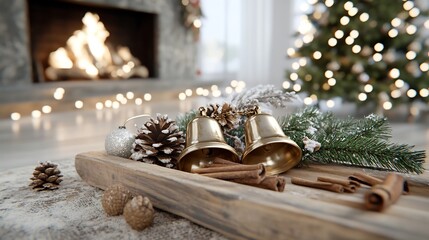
{"x": 119, "y": 96}
{"x": 339, "y": 34}
{"x": 377, "y": 57}
{"x": 188, "y": 92}
{"x": 286, "y": 85}
{"x": 414, "y": 12}
{"x": 108, "y": 103}
{"x": 368, "y": 88}
{"x": 182, "y": 96}
{"x": 399, "y": 83}
{"x": 308, "y": 101}
{"x": 295, "y": 66}
{"x": 115, "y": 105}
{"x": 424, "y": 67}
{"x": 348, "y": 5}
{"x": 15, "y": 116}
{"x": 317, "y": 55}
{"x": 293, "y": 76}
{"x": 411, "y": 93}
{"x": 329, "y": 3}
{"x": 362, "y": 97}
{"x": 387, "y": 105}
{"x": 378, "y": 47}
{"x": 99, "y": 106}
{"x": 411, "y": 29}
{"x": 396, "y": 22}
{"x": 138, "y": 101}
{"x": 302, "y": 62}
{"x": 356, "y": 49}
{"x": 393, "y": 33}
{"x": 329, "y": 74}
{"x": 410, "y": 55}
{"x": 408, "y": 5}
{"x": 354, "y": 34}
{"x": 352, "y": 12}
{"x": 344, "y": 20}
{"x": 332, "y": 42}
{"x": 297, "y": 87}
{"x": 394, "y": 73}
{"x": 130, "y": 95}
{"x": 197, "y": 23}
{"x": 147, "y": 97}
{"x": 36, "y": 114}
{"x": 330, "y": 103}
{"x": 349, "y": 40}
{"x": 78, "y": 104}
{"x": 46, "y": 109}
{"x": 424, "y": 92}
{"x": 290, "y": 52}
{"x": 364, "y": 17}
{"x": 332, "y": 82}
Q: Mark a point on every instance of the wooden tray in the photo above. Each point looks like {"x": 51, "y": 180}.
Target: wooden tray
{"x": 243, "y": 212}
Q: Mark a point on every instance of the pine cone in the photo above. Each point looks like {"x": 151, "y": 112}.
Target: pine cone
{"x": 226, "y": 115}
{"x": 158, "y": 142}
{"x": 46, "y": 176}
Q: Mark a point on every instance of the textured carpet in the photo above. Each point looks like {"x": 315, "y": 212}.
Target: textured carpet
{"x": 74, "y": 212}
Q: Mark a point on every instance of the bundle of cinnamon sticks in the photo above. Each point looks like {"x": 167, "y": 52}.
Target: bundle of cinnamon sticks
{"x": 383, "y": 193}
{"x": 253, "y": 175}
{"x": 329, "y": 184}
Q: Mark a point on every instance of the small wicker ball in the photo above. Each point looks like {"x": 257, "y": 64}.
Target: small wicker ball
{"x": 139, "y": 213}
{"x": 114, "y": 199}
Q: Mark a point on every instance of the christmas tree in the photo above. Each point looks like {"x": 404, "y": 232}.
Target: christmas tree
{"x": 362, "y": 51}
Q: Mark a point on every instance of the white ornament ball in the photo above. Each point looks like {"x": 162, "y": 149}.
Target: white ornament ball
{"x": 119, "y": 143}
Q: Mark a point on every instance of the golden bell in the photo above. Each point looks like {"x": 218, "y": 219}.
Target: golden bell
{"x": 204, "y": 142}
{"x": 266, "y": 143}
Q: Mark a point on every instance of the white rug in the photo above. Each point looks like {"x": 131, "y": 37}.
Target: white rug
{"x": 74, "y": 212}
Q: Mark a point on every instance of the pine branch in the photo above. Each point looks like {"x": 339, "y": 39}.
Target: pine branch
{"x": 362, "y": 142}
{"x": 183, "y": 120}
{"x": 368, "y": 152}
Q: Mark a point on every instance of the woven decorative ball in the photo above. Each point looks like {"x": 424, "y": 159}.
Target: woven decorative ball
{"x": 139, "y": 213}
{"x": 114, "y": 199}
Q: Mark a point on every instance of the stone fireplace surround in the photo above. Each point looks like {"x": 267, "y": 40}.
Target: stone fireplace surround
{"x": 176, "y": 54}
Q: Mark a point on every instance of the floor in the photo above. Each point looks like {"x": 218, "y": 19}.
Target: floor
{"x": 60, "y": 136}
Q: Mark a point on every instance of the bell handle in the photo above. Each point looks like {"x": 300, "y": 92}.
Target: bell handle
{"x": 203, "y": 111}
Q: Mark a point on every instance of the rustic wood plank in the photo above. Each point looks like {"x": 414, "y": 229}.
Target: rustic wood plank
{"x": 243, "y": 212}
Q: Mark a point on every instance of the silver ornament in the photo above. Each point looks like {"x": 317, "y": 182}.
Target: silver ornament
{"x": 119, "y": 142}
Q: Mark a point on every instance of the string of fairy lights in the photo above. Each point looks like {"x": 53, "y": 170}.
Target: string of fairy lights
{"x": 129, "y": 98}
{"x": 375, "y": 53}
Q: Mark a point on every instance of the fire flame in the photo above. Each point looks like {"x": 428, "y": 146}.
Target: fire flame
{"x": 87, "y": 55}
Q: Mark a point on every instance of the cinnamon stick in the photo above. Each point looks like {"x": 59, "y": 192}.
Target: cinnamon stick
{"x": 218, "y": 160}
{"x": 333, "y": 187}
{"x": 274, "y": 183}
{"x": 349, "y": 185}
{"x": 251, "y": 176}
{"x": 365, "y": 179}
{"x": 381, "y": 196}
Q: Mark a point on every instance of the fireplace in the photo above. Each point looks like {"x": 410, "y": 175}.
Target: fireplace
{"x": 53, "y": 22}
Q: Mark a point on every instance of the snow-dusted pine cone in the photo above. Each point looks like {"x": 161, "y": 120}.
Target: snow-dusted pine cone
{"x": 226, "y": 115}
{"x": 158, "y": 141}
{"x": 46, "y": 176}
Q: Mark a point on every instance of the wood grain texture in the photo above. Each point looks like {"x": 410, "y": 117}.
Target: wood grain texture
{"x": 244, "y": 212}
